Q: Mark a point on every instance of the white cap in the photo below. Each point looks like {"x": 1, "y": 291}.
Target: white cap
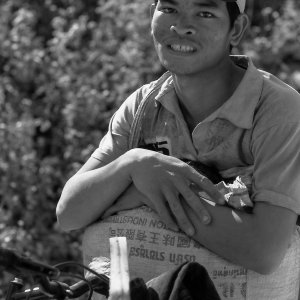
{"x": 241, "y": 4}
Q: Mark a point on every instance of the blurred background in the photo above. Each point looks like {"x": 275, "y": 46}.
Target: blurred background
{"x": 65, "y": 67}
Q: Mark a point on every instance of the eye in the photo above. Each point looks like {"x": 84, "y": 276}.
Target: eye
{"x": 205, "y": 14}
{"x": 168, "y": 10}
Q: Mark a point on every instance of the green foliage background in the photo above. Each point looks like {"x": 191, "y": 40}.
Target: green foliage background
{"x": 65, "y": 67}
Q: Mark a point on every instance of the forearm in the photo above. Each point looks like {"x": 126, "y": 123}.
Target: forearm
{"x": 255, "y": 241}
{"x": 87, "y": 195}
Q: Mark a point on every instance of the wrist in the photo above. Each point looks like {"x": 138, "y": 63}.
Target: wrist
{"x": 134, "y": 159}
{"x": 128, "y": 162}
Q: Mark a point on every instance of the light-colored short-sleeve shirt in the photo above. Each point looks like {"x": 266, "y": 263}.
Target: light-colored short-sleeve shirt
{"x": 258, "y": 125}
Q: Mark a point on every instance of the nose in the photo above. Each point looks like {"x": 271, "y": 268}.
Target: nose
{"x": 182, "y": 28}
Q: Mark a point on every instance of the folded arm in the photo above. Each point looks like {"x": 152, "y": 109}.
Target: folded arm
{"x": 257, "y": 241}
{"x": 91, "y": 191}
{"x": 163, "y": 181}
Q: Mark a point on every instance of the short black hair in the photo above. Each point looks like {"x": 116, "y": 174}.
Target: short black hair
{"x": 233, "y": 11}
{"x": 232, "y": 8}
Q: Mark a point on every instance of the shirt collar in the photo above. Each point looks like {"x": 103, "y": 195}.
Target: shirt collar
{"x": 239, "y": 109}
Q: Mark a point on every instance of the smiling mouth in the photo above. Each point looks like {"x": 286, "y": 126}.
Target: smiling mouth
{"x": 182, "y": 48}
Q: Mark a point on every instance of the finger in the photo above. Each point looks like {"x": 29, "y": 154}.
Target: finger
{"x": 192, "y": 199}
{"x": 207, "y": 186}
{"x": 179, "y": 213}
{"x": 202, "y": 195}
{"x": 163, "y": 210}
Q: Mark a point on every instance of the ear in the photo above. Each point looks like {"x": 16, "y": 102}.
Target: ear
{"x": 152, "y": 9}
{"x": 238, "y": 30}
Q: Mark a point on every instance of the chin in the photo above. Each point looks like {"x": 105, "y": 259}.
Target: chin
{"x": 182, "y": 66}
{"x": 179, "y": 69}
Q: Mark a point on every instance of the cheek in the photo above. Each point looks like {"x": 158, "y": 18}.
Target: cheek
{"x": 221, "y": 33}
{"x": 219, "y": 37}
{"x": 159, "y": 30}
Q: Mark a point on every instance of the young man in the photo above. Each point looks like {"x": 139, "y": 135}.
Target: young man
{"x": 213, "y": 108}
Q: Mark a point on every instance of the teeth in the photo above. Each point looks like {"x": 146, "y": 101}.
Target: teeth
{"x": 182, "y": 48}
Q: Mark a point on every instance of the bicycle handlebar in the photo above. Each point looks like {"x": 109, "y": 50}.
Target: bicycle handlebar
{"x": 98, "y": 284}
{"x": 17, "y": 264}
{"x": 62, "y": 290}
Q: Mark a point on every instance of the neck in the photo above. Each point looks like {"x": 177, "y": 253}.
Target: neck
{"x": 202, "y": 93}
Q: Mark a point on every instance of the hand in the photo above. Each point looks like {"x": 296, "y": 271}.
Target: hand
{"x": 130, "y": 199}
{"x": 167, "y": 181}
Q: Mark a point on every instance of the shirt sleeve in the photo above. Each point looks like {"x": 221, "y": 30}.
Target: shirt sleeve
{"x": 115, "y": 141}
{"x": 276, "y": 177}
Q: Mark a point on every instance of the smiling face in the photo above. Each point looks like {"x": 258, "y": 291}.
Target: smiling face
{"x": 191, "y": 36}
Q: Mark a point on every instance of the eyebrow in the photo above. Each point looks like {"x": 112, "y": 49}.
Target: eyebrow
{"x": 204, "y": 3}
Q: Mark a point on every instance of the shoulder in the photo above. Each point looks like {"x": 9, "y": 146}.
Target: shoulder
{"x": 279, "y": 104}
{"x": 278, "y": 94}
{"x": 130, "y": 105}
{"x": 124, "y": 117}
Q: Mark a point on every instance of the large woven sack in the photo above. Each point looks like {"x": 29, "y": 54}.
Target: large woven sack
{"x": 153, "y": 250}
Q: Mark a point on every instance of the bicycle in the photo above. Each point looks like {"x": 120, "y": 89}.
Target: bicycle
{"x": 46, "y": 277}
{"x": 185, "y": 282}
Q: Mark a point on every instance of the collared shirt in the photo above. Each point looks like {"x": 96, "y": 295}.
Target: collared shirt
{"x": 258, "y": 125}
